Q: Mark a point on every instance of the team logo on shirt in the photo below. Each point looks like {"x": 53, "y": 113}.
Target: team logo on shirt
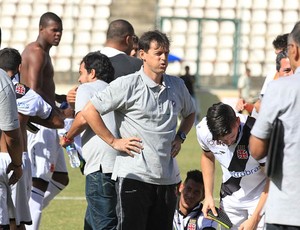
{"x": 242, "y": 153}
{"x": 20, "y": 89}
{"x": 192, "y": 224}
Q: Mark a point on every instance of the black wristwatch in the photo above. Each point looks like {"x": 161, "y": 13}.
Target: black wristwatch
{"x": 182, "y": 136}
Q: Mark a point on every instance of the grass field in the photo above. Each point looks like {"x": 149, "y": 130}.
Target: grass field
{"x": 67, "y": 211}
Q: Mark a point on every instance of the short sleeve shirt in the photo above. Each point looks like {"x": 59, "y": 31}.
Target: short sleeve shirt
{"x": 281, "y": 100}
{"x": 31, "y": 103}
{"x": 243, "y": 177}
{"x": 8, "y": 112}
{"x": 149, "y": 111}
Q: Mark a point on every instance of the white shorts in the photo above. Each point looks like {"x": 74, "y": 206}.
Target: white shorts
{"x": 238, "y": 213}
{"x": 45, "y": 153}
{"x": 21, "y": 192}
{"x": 14, "y": 199}
{"x": 6, "y": 204}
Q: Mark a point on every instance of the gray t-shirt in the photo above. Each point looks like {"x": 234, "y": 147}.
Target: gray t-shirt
{"x": 149, "y": 111}
{"x": 8, "y": 112}
{"x": 95, "y": 151}
{"x": 282, "y": 100}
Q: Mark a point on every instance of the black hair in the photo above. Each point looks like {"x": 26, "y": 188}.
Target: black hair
{"x": 280, "y": 42}
{"x": 118, "y": 29}
{"x": 49, "y": 16}
{"x": 194, "y": 175}
{"x": 155, "y": 35}
{"x": 10, "y": 59}
{"x": 220, "y": 120}
{"x": 101, "y": 64}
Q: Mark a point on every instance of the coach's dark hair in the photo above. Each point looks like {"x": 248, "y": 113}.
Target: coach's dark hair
{"x": 101, "y": 64}
{"x": 10, "y": 59}
{"x": 220, "y": 120}
{"x": 49, "y": 16}
{"x": 155, "y": 35}
{"x": 281, "y": 55}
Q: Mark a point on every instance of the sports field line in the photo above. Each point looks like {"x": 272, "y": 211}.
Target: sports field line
{"x": 70, "y": 198}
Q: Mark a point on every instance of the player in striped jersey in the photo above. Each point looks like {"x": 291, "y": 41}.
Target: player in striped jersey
{"x": 224, "y": 136}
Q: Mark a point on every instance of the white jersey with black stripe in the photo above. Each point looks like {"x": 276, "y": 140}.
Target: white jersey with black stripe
{"x": 243, "y": 177}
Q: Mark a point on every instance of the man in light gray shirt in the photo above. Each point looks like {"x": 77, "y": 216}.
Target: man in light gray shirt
{"x": 96, "y": 71}
{"x": 281, "y": 101}
{"x": 146, "y": 105}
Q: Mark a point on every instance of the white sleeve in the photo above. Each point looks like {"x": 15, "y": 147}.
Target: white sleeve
{"x": 32, "y": 104}
{"x": 202, "y": 134}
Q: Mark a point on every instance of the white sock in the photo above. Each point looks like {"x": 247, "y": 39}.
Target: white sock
{"x": 35, "y": 204}
{"x": 53, "y": 189}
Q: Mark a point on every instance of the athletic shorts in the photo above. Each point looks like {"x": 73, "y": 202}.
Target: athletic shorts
{"x": 6, "y": 204}
{"x": 21, "y": 192}
{"x": 45, "y": 153}
{"x": 241, "y": 211}
{"x": 14, "y": 199}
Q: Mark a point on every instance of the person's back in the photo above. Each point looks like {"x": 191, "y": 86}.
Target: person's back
{"x": 279, "y": 102}
{"x": 119, "y": 43}
{"x": 125, "y": 64}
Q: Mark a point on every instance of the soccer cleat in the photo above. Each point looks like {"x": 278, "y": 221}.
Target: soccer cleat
{"x": 222, "y": 218}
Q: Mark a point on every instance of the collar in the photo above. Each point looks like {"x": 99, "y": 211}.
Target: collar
{"x": 16, "y": 78}
{"x": 111, "y": 52}
{"x": 150, "y": 83}
{"x": 197, "y": 208}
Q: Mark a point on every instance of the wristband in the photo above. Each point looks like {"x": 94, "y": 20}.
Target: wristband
{"x": 67, "y": 139}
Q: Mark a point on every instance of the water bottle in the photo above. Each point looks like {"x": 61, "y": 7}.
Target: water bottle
{"x": 73, "y": 154}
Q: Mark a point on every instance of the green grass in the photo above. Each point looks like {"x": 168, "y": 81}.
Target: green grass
{"x": 68, "y": 214}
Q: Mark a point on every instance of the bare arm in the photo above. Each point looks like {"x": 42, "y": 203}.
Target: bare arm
{"x": 71, "y": 96}
{"x": 78, "y": 126}
{"x": 253, "y": 221}
{"x": 95, "y": 121}
{"x": 14, "y": 147}
{"x": 258, "y": 147}
{"x": 208, "y": 170}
